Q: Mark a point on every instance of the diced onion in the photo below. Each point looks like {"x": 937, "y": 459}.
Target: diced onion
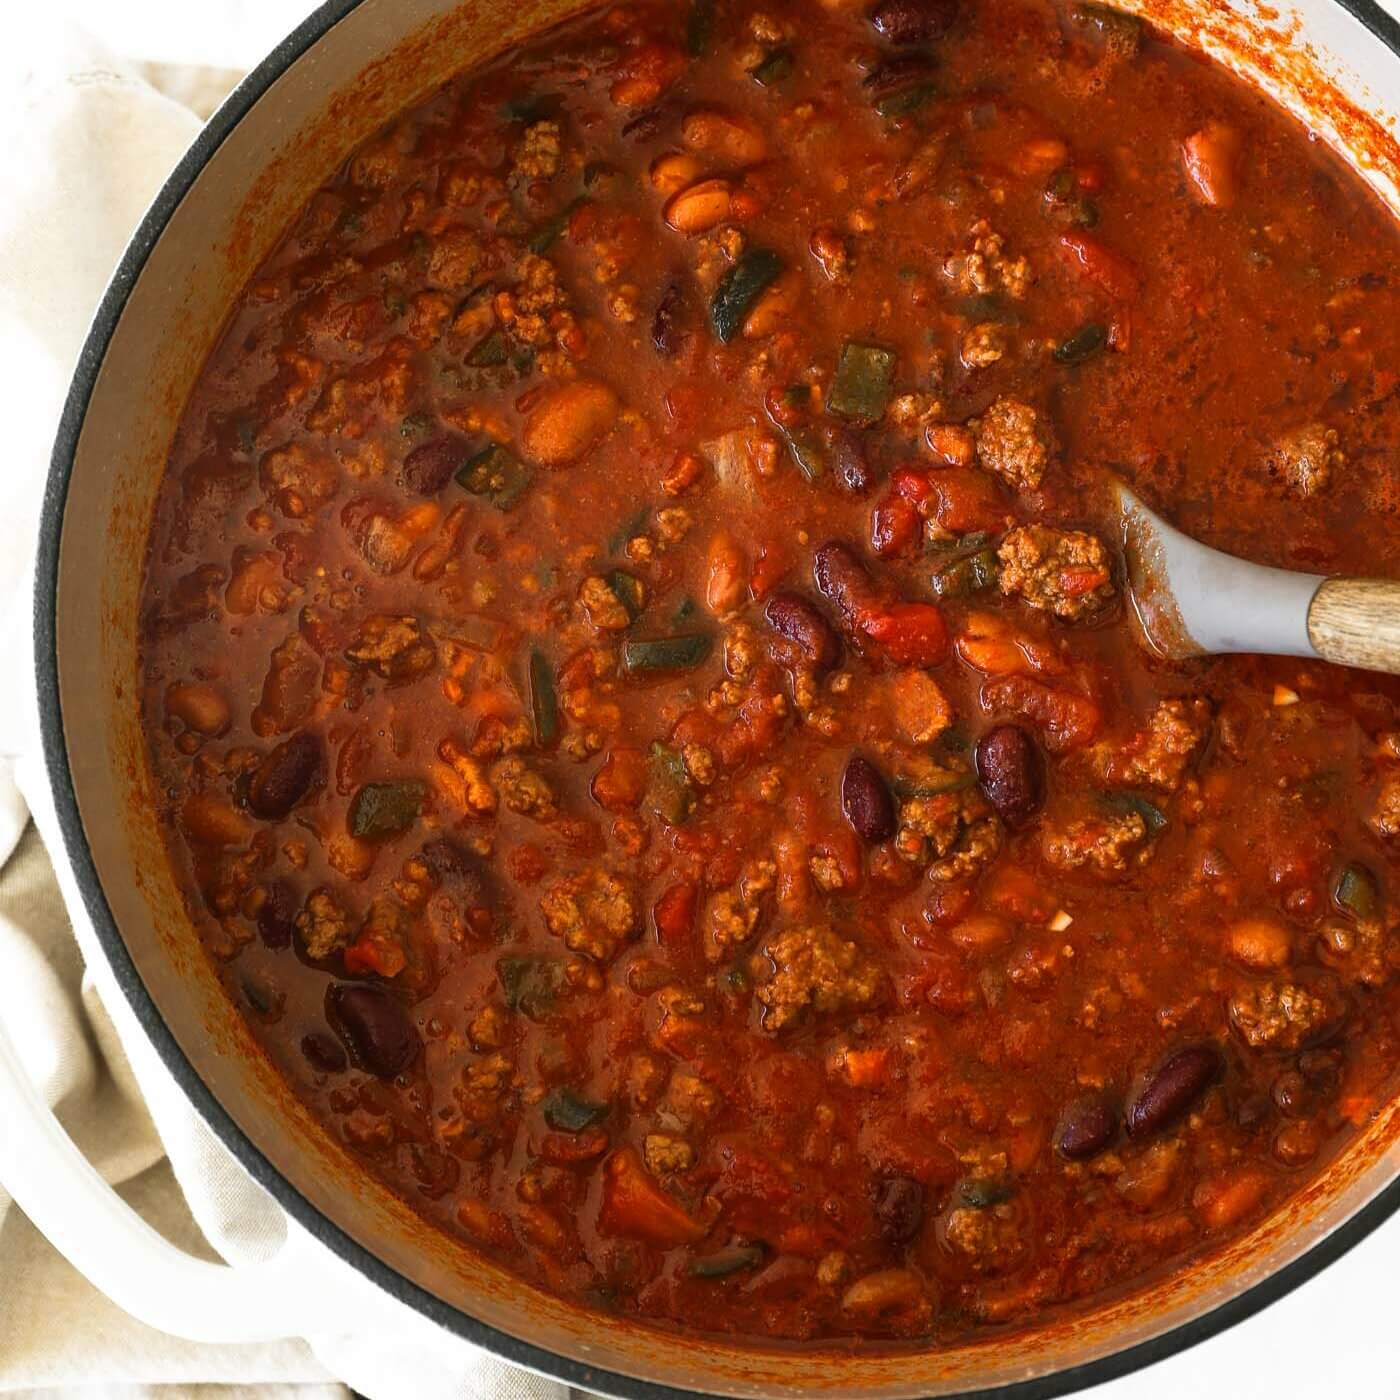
{"x": 1061, "y": 921}
{"x": 1284, "y": 696}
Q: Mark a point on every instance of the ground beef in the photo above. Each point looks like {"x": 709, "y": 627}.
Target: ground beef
{"x": 953, "y": 833}
{"x": 526, "y": 309}
{"x": 393, "y": 647}
{"x": 1306, "y": 458}
{"x": 1014, "y": 443}
{"x": 323, "y": 927}
{"x": 298, "y": 478}
{"x": 987, "y": 1238}
{"x": 735, "y": 912}
{"x": 1066, "y": 572}
{"x": 986, "y": 269}
{"x": 536, "y": 155}
{"x": 1159, "y": 756}
{"x": 815, "y": 967}
{"x": 1105, "y": 845}
{"x": 594, "y": 913}
{"x": 665, "y": 1154}
{"x": 604, "y": 608}
{"x": 1278, "y": 1015}
{"x": 456, "y": 259}
{"x": 1385, "y": 815}
{"x": 523, "y": 790}
{"x": 984, "y": 345}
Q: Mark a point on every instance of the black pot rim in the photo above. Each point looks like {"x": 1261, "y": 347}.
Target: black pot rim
{"x": 1382, "y": 25}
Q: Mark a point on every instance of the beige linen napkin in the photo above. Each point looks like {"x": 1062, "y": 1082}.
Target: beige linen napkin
{"x": 87, "y": 141}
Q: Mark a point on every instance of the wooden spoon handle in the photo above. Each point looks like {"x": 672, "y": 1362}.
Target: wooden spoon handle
{"x": 1356, "y": 622}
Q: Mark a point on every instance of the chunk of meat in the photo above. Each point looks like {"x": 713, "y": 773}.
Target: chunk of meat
{"x": 1066, "y": 572}
{"x": 1385, "y": 813}
{"x": 536, "y": 154}
{"x": 523, "y": 790}
{"x": 814, "y": 967}
{"x": 1306, "y": 457}
{"x": 395, "y": 648}
{"x": 986, "y": 1239}
{"x": 322, "y": 926}
{"x": 604, "y": 608}
{"x": 1159, "y": 756}
{"x": 594, "y": 913}
{"x": 298, "y": 478}
{"x": 1283, "y": 1015}
{"x": 1105, "y": 845}
{"x": 1015, "y": 443}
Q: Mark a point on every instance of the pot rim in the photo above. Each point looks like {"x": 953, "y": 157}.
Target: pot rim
{"x": 1384, "y": 26}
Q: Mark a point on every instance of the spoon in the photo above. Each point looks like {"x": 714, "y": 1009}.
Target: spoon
{"x": 1192, "y": 600}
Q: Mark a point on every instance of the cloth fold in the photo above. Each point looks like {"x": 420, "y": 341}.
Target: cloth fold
{"x": 89, "y": 140}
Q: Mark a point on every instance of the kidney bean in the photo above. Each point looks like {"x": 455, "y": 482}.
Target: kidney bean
{"x": 668, "y": 333}
{"x": 427, "y": 469}
{"x": 895, "y": 72}
{"x": 866, "y": 801}
{"x": 842, "y": 580}
{"x": 285, "y": 776}
{"x": 1086, "y": 1128}
{"x": 376, "y": 1026}
{"x": 1011, "y": 769}
{"x": 801, "y": 622}
{"x": 323, "y": 1052}
{"x": 1172, "y": 1088}
{"x": 899, "y": 1207}
{"x": 276, "y": 915}
{"x": 850, "y": 466}
{"x": 913, "y": 21}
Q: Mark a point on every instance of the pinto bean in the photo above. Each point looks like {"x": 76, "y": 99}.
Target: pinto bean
{"x": 1262, "y": 944}
{"x": 1086, "y": 1128}
{"x": 699, "y": 207}
{"x": 285, "y": 776}
{"x": 801, "y": 622}
{"x": 866, "y": 801}
{"x": 671, "y": 172}
{"x": 734, "y": 140}
{"x": 1011, "y": 771}
{"x": 726, "y": 575}
{"x": 1173, "y": 1087}
{"x": 889, "y": 1290}
{"x": 198, "y": 706}
{"x": 208, "y": 820}
{"x": 913, "y": 21}
{"x": 569, "y": 420}
{"x": 375, "y": 1025}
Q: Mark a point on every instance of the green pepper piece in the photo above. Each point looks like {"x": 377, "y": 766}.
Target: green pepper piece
{"x": 496, "y": 474}
{"x": 416, "y": 424}
{"x": 1356, "y": 891}
{"x": 530, "y": 984}
{"x": 1154, "y": 818}
{"x": 682, "y": 653}
{"x": 488, "y": 353}
{"x": 951, "y": 780}
{"x": 684, "y": 609}
{"x": 1089, "y": 340}
{"x": 730, "y": 1260}
{"x": 544, "y": 702}
{"x": 698, "y": 25}
{"x": 860, "y": 392}
{"x": 741, "y": 287}
{"x": 548, "y": 231}
{"x": 669, "y": 792}
{"x": 773, "y": 69}
{"x": 1123, "y": 33}
{"x": 629, "y": 590}
{"x": 905, "y": 101}
{"x": 385, "y": 809}
{"x": 968, "y": 573}
{"x": 981, "y": 1192}
{"x": 808, "y": 450}
{"x": 571, "y": 1112}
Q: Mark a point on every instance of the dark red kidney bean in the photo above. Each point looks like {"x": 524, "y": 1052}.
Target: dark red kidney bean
{"x": 1011, "y": 769}
{"x": 427, "y": 469}
{"x": 1171, "y": 1088}
{"x": 897, "y": 71}
{"x": 285, "y": 776}
{"x": 850, "y": 466}
{"x": 276, "y": 915}
{"x": 1086, "y": 1128}
{"x": 376, "y": 1026}
{"x": 800, "y": 621}
{"x": 1254, "y": 1112}
{"x": 866, "y": 801}
{"x": 668, "y": 333}
{"x": 323, "y": 1052}
{"x": 899, "y": 1207}
{"x": 843, "y": 581}
{"x": 913, "y": 21}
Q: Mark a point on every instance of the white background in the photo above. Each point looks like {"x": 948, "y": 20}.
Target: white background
{"x": 1338, "y": 1335}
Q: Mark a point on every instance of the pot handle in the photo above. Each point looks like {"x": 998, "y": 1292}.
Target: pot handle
{"x": 293, "y": 1294}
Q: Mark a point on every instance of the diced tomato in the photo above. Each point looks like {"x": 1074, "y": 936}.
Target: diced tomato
{"x": 911, "y": 483}
{"x": 621, "y": 781}
{"x": 990, "y": 644}
{"x": 894, "y": 527}
{"x": 769, "y": 566}
{"x": 381, "y": 956}
{"x": 1110, "y": 271}
{"x": 910, "y": 634}
{"x": 804, "y": 1240}
{"x": 674, "y": 914}
{"x": 566, "y": 1148}
{"x": 1066, "y": 719}
{"x": 1210, "y": 157}
{"x": 634, "y": 1205}
{"x": 966, "y": 500}
{"x": 1077, "y": 580}
{"x": 864, "y": 1068}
